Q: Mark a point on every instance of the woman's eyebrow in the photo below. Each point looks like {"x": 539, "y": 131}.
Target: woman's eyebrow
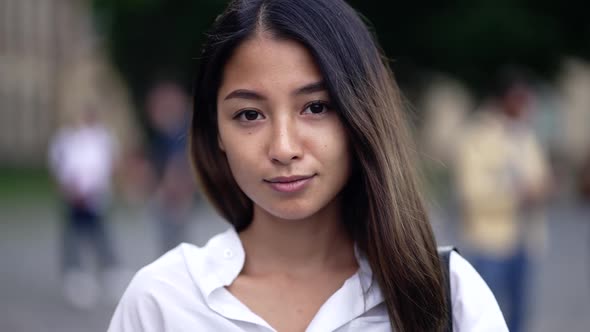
{"x": 252, "y": 95}
{"x": 310, "y": 88}
{"x": 244, "y": 94}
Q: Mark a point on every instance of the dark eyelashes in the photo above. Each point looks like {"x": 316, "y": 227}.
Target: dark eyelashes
{"x": 323, "y": 103}
{"x": 244, "y": 111}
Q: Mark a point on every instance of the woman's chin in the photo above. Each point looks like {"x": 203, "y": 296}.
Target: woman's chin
{"x": 292, "y": 216}
{"x": 290, "y": 213}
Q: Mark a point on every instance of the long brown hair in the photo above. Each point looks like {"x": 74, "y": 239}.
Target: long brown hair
{"x": 385, "y": 213}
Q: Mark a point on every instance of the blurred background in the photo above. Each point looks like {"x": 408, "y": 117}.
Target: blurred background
{"x": 94, "y": 182}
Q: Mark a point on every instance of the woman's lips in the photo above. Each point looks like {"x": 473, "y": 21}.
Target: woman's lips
{"x": 289, "y": 184}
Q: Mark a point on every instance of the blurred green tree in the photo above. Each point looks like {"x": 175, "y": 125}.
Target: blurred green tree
{"x": 468, "y": 39}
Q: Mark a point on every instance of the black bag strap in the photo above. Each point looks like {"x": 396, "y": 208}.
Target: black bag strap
{"x": 444, "y": 254}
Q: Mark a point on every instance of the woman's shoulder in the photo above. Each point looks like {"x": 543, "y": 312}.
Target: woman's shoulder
{"x": 188, "y": 267}
{"x": 167, "y": 287}
{"x": 166, "y": 275}
{"x": 187, "y": 263}
{"x": 474, "y": 306}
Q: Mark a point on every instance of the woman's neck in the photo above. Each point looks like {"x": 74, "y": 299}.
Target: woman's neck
{"x": 319, "y": 243}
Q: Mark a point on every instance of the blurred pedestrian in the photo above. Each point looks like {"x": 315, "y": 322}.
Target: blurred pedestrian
{"x": 82, "y": 158}
{"x": 503, "y": 180}
{"x": 167, "y": 106}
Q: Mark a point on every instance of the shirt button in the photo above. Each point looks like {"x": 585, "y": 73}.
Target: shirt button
{"x": 227, "y": 253}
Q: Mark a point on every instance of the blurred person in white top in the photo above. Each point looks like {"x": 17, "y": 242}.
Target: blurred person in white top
{"x": 82, "y": 159}
{"x": 298, "y": 139}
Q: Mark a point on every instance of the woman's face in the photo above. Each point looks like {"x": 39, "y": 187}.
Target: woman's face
{"x": 286, "y": 146}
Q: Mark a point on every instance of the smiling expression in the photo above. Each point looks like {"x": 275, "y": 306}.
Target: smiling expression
{"x": 285, "y": 144}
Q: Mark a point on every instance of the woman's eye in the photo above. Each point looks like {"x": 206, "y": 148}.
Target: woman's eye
{"x": 316, "y": 108}
{"x": 249, "y": 115}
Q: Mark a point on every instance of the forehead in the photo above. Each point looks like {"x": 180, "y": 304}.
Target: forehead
{"x": 264, "y": 62}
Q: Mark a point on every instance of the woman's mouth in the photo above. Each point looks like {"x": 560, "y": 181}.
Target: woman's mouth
{"x": 290, "y": 184}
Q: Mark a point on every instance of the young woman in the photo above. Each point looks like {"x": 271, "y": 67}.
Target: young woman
{"x": 298, "y": 140}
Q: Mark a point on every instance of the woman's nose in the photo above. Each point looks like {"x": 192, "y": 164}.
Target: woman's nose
{"x": 285, "y": 145}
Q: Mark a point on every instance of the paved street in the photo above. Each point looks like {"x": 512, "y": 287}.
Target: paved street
{"x": 30, "y": 298}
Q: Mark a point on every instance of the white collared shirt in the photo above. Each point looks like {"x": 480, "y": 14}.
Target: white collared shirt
{"x": 185, "y": 290}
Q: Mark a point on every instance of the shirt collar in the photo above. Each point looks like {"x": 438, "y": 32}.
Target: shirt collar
{"x": 220, "y": 263}
{"x": 365, "y": 272}
{"x": 224, "y": 260}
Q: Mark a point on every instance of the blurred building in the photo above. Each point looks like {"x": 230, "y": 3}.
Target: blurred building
{"x": 51, "y": 62}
